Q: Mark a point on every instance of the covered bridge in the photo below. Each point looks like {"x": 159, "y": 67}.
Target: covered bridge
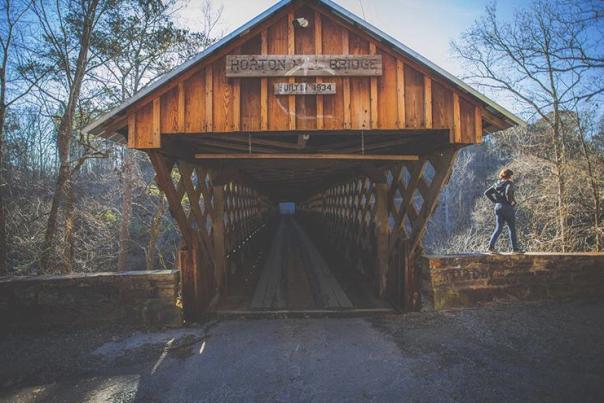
{"x": 306, "y": 103}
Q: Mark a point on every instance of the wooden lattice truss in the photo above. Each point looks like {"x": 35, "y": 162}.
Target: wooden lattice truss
{"x": 217, "y": 214}
{"x": 377, "y": 221}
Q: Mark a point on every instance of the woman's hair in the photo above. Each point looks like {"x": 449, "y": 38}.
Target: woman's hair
{"x": 505, "y": 173}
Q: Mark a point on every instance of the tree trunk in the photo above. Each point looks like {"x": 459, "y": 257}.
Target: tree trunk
{"x": 64, "y": 136}
{"x": 3, "y": 240}
{"x": 69, "y": 255}
{"x": 127, "y": 170}
{"x": 154, "y": 233}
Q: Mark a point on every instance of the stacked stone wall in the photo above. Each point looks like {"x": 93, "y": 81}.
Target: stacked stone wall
{"x": 469, "y": 280}
{"x": 138, "y": 298}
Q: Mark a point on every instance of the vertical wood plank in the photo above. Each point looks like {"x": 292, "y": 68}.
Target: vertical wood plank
{"x": 132, "y": 130}
{"x": 400, "y": 92}
{"x": 236, "y": 85}
{"x": 428, "y": 101}
{"x": 209, "y": 99}
{"x": 263, "y": 85}
{"x": 478, "y": 124}
{"x": 373, "y": 94}
{"x": 291, "y": 48}
{"x": 319, "y": 51}
{"x": 456, "y": 119}
{"x": 346, "y": 82}
{"x": 181, "y": 107}
{"x": 156, "y": 125}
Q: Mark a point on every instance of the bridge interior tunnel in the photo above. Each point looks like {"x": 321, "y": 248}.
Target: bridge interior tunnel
{"x": 348, "y": 243}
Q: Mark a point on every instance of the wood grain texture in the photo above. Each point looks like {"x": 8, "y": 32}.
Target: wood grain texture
{"x": 427, "y": 102}
{"x": 209, "y": 99}
{"x": 278, "y": 107}
{"x": 373, "y": 93}
{"x": 400, "y": 94}
{"x": 414, "y": 98}
{"x": 306, "y": 107}
{"x": 456, "y": 132}
{"x": 319, "y": 50}
{"x": 291, "y": 49}
{"x": 263, "y": 85}
{"x": 478, "y": 124}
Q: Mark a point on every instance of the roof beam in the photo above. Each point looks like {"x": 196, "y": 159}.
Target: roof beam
{"x": 366, "y": 157}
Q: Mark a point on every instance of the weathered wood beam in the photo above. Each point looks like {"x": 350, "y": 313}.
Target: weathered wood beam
{"x": 361, "y": 157}
{"x": 163, "y": 170}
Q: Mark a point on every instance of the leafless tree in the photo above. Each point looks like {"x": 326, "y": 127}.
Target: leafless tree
{"x": 534, "y": 59}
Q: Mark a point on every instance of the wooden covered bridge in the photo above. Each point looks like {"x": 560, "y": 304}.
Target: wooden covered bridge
{"x": 308, "y": 104}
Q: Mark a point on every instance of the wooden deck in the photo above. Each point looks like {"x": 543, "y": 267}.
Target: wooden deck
{"x": 295, "y": 275}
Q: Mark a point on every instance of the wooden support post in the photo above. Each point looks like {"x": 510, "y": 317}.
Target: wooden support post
{"x": 381, "y": 234}
{"x": 219, "y": 237}
{"x": 163, "y": 169}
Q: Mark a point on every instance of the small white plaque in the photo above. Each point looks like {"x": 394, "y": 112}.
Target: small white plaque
{"x": 305, "y": 88}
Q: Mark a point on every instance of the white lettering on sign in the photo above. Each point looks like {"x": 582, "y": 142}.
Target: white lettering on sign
{"x": 305, "y": 88}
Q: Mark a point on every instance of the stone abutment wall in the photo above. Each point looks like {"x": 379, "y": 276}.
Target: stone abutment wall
{"x": 470, "y": 280}
{"x": 137, "y": 298}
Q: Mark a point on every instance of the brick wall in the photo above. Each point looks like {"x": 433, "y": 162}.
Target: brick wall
{"x": 469, "y": 280}
{"x": 138, "y": 298}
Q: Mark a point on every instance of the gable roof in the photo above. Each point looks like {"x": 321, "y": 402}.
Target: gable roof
{"x": 339, "y": 11}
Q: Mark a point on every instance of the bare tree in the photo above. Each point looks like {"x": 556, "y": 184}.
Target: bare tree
{"x": 533, "y": 59}
{"x": 67, "y": 28}
{"x": 11, "y": 90}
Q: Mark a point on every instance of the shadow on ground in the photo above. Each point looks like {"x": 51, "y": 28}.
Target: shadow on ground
{"x": 548, "y": 351}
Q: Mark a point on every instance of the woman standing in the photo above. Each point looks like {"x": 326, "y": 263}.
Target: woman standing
{"x": 502, "y": 194}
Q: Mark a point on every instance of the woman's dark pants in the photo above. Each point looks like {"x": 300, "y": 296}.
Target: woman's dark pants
{"x": 504, "y": 214}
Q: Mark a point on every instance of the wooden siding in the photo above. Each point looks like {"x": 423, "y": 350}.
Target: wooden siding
{"x": 406, "y": 96}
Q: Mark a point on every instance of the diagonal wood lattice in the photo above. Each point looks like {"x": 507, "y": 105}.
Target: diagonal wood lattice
{"x": 216, "y": 215}
{"x": 384, "y": 218}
